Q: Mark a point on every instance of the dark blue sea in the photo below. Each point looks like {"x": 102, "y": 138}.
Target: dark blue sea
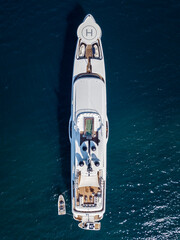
{"x": 141, "y": 41}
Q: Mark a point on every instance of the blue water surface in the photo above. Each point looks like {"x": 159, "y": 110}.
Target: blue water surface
{"x": 141, "y": 48}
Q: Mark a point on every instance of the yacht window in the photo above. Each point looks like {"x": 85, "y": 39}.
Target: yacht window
{"x": 88, "y": 75}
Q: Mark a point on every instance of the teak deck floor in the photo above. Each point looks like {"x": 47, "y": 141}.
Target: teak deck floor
{"x": 87, "y": 191}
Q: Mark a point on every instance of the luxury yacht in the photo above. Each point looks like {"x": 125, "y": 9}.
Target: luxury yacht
{"x": 88, "y": 128}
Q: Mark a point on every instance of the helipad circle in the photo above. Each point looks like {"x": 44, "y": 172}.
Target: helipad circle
{"x": 89, "y": 32}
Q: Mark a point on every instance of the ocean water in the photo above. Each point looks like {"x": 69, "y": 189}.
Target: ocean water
{"x": 141, "y": 47}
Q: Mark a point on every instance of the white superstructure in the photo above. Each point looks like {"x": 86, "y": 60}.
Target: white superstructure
{"x": 88, "y": 127}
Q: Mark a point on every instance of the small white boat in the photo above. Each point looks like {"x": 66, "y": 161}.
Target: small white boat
{"x": 90, "y": 226}
{"x": 61, "y": 205}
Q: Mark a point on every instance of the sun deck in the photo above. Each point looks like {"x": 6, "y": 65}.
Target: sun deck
{"x": 87, "y": 194}
{"x": 89, "y": 94}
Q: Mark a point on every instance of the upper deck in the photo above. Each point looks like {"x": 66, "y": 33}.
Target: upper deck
{"x": 89, "y": 93}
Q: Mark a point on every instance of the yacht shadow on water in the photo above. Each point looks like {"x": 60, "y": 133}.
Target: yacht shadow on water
{"x": 63, "y": 92}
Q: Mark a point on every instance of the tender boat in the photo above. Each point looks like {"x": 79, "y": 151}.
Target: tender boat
{"x": 61, "y": 205}
{"x": 88, "y": 127}
{"x": 90, "y": 226}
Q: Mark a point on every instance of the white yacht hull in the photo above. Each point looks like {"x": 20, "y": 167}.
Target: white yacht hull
{"x": 88, "y": 128}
